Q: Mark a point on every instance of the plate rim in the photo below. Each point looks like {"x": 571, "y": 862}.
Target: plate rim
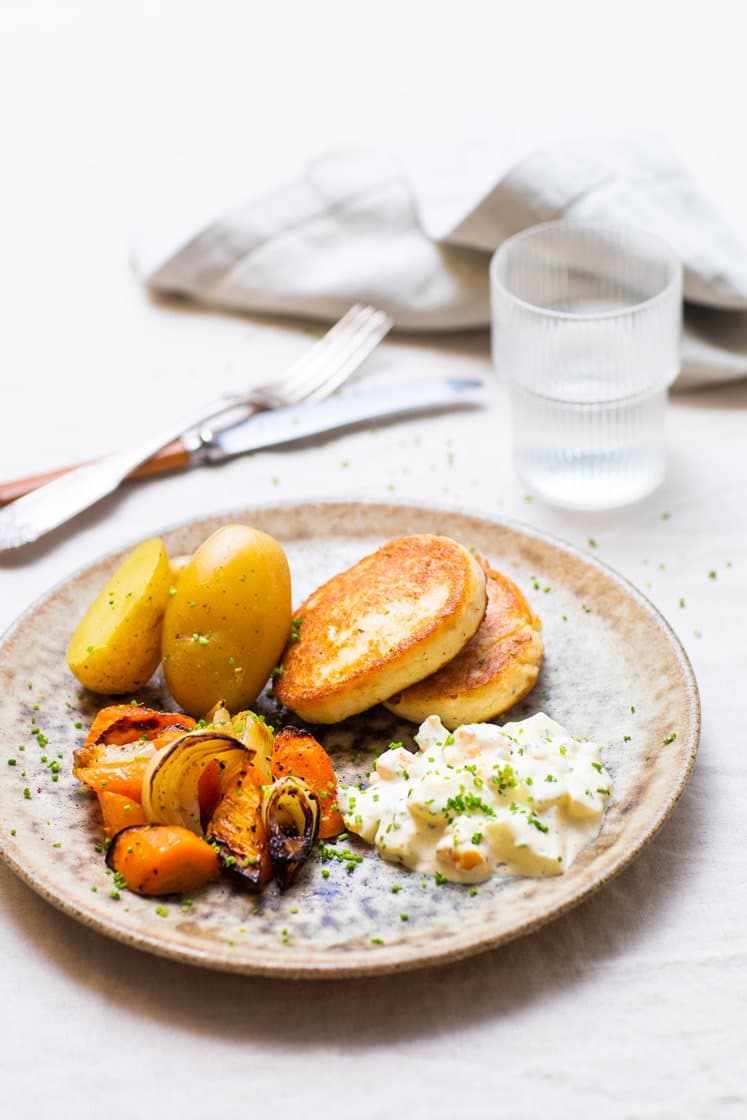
{"x": 386, "y": 961}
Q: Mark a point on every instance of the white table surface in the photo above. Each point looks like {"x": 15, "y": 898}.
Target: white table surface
{"x": 633, "y": 1005}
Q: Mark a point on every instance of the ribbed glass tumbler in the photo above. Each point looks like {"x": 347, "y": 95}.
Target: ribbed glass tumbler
{"x": 586, "y": 321}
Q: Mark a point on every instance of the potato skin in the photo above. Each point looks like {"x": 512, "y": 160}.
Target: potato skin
{"x": 117, "y": 645}
{"x": 225, "y": 627}
{"x": 179, "y": 563}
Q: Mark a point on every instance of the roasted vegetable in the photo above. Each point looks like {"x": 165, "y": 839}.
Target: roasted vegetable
{"x": 225, "y": 627}
{"x": 157, "y": 782}
{"x": 117, "y": 645}
{"x": 297, "y": 753}
{"x": 209, "y": 790}
{"x": 252, "y": 730}
{"x": 119, "y": 811}
{"x": 155, "y": 859}
{"x": 219, "y": 717}
{"x": 124, "y": 778}
{"x": 120, "y": 744}
{"x": 237, "y": 827}
{"x": 126, "y": 723}
{"x": 291, "y": 815}
{"x": 171, "y": 781}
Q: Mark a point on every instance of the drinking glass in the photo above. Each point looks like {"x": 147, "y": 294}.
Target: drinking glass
{"x": 586, "y": 322}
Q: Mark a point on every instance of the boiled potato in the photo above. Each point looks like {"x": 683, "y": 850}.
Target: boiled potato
{"x": 179, "y": 563}
{"x": 227, "y": 621}
{"x": 117, "y": 646}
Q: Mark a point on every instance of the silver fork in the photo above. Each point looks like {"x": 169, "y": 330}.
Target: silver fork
{"x": 316, "y": 375}
{"x": 324, "y": 368}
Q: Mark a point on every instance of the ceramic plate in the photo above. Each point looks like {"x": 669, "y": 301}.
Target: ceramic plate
{"x": 613, "y": 672}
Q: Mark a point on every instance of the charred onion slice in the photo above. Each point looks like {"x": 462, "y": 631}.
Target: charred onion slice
{"x": 296, "y": 753}
{"x": 255, "y": 733}
{"x": 238, "y": 830}
{"x": 170, "y": 794}
{"x": 219, "y": 717}
{"x": 291, "y": 816}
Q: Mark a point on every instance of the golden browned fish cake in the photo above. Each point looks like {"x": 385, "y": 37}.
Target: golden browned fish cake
{"x": 393, "y": 618}
{"x": 495, "y": 670}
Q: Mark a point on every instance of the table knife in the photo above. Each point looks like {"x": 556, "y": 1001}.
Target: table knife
{"x": 260, "y": 430}
{"x": 291, "y": 425}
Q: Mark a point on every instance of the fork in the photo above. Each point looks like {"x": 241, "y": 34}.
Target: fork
{"x": 317, "y": 374}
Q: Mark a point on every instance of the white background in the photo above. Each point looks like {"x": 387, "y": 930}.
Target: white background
{"x": 111, "y": 115}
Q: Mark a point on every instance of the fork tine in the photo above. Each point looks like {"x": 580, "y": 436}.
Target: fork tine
{"x": 295, "y": 374}
{"x": 291, "y": 386}
{"x": 339, "y": 351}
{"x": 324, "y": 358}
{"x": 364, "y": 344}
{"x": 314, "y": 369}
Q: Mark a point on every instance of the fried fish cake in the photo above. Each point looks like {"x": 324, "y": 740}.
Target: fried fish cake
{"x": 395, "y": 617}
{"x": 495, "y": 670}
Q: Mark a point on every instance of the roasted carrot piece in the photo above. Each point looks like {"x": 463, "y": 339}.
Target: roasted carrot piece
{"x": 120, "y": 743}
{"x": 164, "y": 737}
{"x": 126, "y": 723}
{"x": 119, "y": 812}
{"x": 238, "y": 829}
{"x": 209, "y": 789}
{"x": 297, "y": 753}
{"x": 158, "y": 859}
{"x": 124, "y": 778}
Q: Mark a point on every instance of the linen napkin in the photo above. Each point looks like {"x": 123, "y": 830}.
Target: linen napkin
{"x": 361, "y": 226}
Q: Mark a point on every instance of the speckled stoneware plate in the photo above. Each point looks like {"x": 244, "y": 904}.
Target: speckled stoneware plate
{"x": 613, "y": 672}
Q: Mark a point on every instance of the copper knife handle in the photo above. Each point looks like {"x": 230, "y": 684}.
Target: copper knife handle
{"x": 170, "y": 458}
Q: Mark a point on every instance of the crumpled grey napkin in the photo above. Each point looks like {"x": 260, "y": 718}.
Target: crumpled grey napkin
{"x": 357, "y": 226}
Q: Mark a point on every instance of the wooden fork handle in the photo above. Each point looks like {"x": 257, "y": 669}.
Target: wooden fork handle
{"x": 170, "y": 458}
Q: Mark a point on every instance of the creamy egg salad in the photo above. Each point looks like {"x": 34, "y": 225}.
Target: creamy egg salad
{"x": 521, "y": 799}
